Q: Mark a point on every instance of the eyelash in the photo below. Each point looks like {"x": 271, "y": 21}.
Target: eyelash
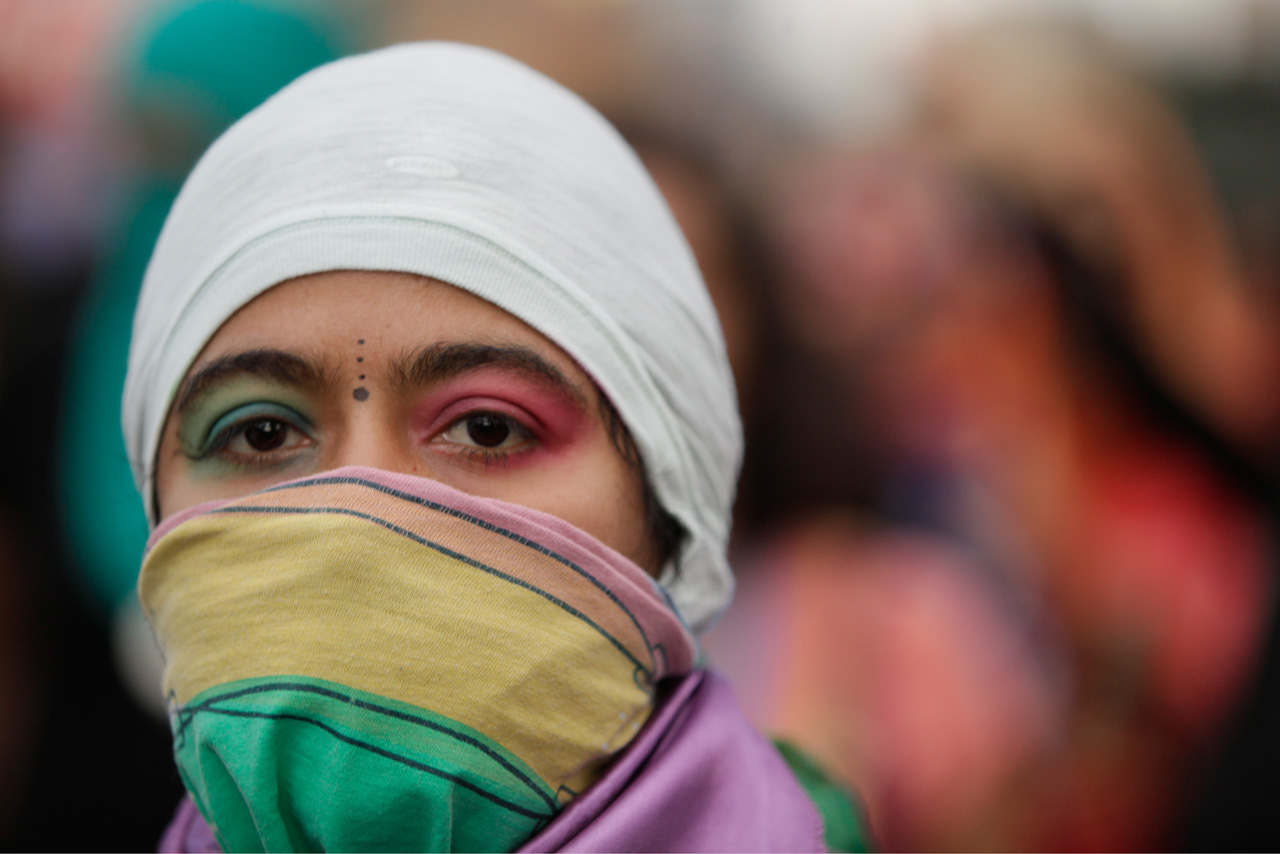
{"x": 256, "y": 461}
{"x": 486, "y": 457}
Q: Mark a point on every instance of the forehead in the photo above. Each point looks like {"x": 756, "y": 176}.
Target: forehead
{"x": 377, "y": 311}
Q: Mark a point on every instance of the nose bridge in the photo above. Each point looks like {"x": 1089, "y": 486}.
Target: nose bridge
{"x": 372, "y": 436}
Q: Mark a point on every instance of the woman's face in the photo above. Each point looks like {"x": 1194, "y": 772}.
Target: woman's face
{"x": 405, "y": 374}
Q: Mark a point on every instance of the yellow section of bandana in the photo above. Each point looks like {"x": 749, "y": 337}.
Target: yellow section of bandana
{"x": 344, "y": 598}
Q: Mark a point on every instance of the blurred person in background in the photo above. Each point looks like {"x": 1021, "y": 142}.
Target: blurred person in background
{"x": 52, "y": 167}
{"x": 1055, "y": 664}
{"x": 1056, "y": 123}
{"x": 882, "y": 646}
{"x": 1096, "y": 155}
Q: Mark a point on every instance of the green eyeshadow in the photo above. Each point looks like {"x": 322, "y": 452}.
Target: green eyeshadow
{"x": 238, "y": 400}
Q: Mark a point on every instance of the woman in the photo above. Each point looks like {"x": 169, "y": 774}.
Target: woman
{"x": 432, "y": 410}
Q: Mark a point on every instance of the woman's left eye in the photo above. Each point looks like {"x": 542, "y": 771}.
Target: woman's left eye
{"x": 488, "y": 431}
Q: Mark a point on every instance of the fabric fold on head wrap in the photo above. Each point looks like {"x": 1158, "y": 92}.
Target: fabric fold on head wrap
{"x": 457, "y": 163}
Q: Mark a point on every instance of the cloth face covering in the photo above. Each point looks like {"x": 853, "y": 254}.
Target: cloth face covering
{"x": 364, "y": 660}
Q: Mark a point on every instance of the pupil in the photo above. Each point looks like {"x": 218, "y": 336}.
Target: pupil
{"x": 265, "y": 435}
{"x": 488, "y": 431}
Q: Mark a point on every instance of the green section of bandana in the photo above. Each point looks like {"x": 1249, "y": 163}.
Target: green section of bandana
{"x": 397, "y": 777}
{"x": 843, "y": 819}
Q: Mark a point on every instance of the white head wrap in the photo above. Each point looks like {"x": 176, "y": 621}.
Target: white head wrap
{"x": 457, "y": 163}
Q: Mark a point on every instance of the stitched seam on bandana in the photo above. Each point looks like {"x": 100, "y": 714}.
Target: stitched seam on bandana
{"x": 186, "y": 715}
{"x": 386, "y": 754}
{"x": 445, "y": 550}
{"x": 497, "y": 529}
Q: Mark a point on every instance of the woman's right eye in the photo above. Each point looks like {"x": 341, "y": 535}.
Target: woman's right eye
{"x": 261, "y": 436}
{"x": 256, "y": 434}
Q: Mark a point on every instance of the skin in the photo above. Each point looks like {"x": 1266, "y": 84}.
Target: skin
{"x": 404, "y": 374}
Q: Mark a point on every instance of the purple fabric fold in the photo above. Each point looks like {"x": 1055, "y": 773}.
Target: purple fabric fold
{"x": 697, "y": 778}
{"x": 188, "y": 832}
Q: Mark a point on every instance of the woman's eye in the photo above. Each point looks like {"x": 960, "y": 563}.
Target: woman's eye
{"x": 487, "y": 430}
{"x": 263, "y": 436}
{"x": 267, "y": 434}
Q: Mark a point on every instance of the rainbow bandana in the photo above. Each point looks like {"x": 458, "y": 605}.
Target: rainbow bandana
{"x": 371, "y": 661}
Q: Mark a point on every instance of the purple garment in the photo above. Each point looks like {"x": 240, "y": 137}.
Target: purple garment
{"x": 188, "y": 832}
{"x": 697, "y": 778}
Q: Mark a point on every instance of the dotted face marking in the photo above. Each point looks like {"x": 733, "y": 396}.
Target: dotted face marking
{"x": 361, "y": 394}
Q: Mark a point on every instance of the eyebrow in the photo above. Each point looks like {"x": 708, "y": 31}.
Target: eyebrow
{"x": 277, "y": 365}
{"x": 443, "y": 361}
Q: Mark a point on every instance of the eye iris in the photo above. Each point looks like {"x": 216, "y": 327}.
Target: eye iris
{"x": 265, "y": 435}
{"x": 488, "y": 431}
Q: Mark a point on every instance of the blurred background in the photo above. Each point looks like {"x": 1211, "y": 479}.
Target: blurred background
{"x": 1000, "y": 281}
